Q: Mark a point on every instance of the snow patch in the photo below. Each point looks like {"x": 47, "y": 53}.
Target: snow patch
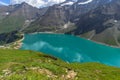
{"x": 115, "y": 21}
{"x": 67, "y": 3}
{"x": 86, "y": 2}
{"x": 7, "y": 13}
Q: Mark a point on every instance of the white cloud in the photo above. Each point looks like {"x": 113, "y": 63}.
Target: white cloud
{"x": 38, "y": 3}
{"x": 2, "y": 3}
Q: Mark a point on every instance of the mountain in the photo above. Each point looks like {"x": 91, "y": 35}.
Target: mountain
{"x": 97, "y": 20}
{"x": 84, "y": 6}
{"x": 25, "y": 10}
{"x": 3, "y": 11}
{"x": 101, "y": 24}
{"x": 60, "y": 15}
{"x": 17, "y": 17}
{"x": 55, "y": 17}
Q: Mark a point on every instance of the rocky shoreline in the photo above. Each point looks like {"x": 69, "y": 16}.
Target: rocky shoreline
{"x": 14, "y": 45}
{"x": 19, "y": 43}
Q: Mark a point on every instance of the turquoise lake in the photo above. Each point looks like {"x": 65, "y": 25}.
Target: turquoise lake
{"x": 72, "y": 49}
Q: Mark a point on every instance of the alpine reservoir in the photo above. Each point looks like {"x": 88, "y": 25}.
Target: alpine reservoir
{"x": 71, "y": 48}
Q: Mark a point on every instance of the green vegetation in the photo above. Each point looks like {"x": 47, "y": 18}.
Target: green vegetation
{"x": 11, "y": 24}
{"x": 29, "y": 65}
{"x": 88, "y": 35}
{"x": 10, "y": 37}
{"x": 110, "y": 42}
{"x": 35, "y": 27}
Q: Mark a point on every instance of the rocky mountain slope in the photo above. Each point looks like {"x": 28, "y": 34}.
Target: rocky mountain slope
{"x": 60, "y": 14}
{"x": 101, "y": 24}
{"x": 15, "y": 17}
{"x": 53, "y": 19}
{"x": 96, "y": 20}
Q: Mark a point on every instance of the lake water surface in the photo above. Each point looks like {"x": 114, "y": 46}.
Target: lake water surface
{"x": 72, "y": 49}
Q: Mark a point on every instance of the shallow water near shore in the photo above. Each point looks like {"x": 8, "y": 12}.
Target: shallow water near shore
{"x": 72, "y": 49}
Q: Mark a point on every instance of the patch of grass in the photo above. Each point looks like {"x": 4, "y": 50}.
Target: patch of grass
{"x": 29, "y": 75}
{"x": 11, "y": 24}
{"x": 29, "y": 65}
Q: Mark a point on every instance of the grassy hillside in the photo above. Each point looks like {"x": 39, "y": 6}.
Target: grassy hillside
{"x": 29, "y": 65}
{"x": 11, "y": 24}
{"x": 109, "y": 36}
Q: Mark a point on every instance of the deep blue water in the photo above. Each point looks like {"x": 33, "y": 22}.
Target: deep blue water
{"x": 72, "y": 49}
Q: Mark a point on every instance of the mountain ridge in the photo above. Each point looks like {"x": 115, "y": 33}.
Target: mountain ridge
{"x": 92, "y": 21}
{"x": 96, "y": 20}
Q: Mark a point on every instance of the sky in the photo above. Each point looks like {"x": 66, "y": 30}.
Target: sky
{"x": 5, "y": 2}
{"x": 35, "y": 3}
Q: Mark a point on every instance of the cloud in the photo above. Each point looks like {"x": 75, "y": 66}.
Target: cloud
{"x": 2, "y": 3}
{"x": 38, "y": 3}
